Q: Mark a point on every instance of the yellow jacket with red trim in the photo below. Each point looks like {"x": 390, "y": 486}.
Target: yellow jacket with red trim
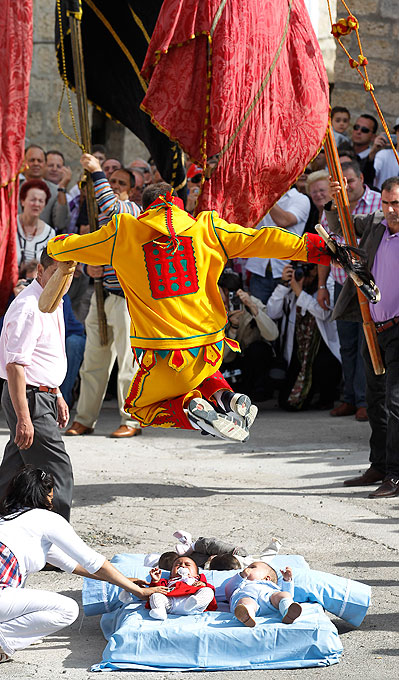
{"x": 169, "y": 263}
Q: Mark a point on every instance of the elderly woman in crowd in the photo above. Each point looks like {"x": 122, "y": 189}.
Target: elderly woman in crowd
{"x": 30, "y": 536}
{"x": 32, "y": 232}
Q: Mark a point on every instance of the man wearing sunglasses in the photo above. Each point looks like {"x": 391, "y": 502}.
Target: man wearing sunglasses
{"x": 363, "y": 134}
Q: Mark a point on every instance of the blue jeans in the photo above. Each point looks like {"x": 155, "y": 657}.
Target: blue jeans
{"x": 262, "y": 287}
{"x": 75, "y": 347}
{"x": 351, "y": 336}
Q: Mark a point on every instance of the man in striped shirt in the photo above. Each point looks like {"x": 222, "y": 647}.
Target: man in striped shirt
{"x": 362, "y": 201}
{"x": 112, "y": 197}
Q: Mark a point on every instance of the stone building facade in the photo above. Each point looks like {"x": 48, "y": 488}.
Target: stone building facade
{"x": 379, "y": 27}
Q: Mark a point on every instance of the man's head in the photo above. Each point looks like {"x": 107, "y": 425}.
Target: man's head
{"x": 224, "y": 562}
{"x": 340, "y": 118}
{"x": 98, "y": 150}
{"x": 364, "y": 131}
{"x": 55, "y": 161}
{"x": 259, "y": 571}
{"x": 186, "y": 562}
{"x": 35, "y": 161}
{"x": 122, "y": 181}
{"x": 390, "y": 203}
{"x": 152, "y": 192}
{"x": 45, "y": 268}
{"x": 109, "y": 165}
{"x": 137, "y": 194}
{"x": 355, "y": 180}
{"x": 145, "y": 168}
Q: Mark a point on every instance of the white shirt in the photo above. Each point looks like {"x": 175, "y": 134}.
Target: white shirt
{"x": 31, "y": 249}
{"x": 385, "y": 165}
{"x": 299, "y": 205}
{"x": 34, "y": 339}
{"x": 39, "y": 536}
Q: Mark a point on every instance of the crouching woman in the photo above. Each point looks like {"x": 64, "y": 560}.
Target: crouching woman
{"x": 30, "y": 536}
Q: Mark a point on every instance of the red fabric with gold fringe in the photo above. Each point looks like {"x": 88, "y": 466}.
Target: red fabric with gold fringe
{"x": 246, "y": 81}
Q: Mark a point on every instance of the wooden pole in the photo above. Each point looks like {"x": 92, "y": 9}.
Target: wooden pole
{"x": 348, "y": 230}
{"x": 74, "y": 12}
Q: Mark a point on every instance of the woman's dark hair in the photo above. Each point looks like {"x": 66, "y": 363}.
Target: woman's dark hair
{"x": 224, "y": 562}
{"x": 29, "y": 489}
{"x": 34, "y": 184}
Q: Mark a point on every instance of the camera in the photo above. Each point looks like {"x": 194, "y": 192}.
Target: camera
{"x": 232, "y": 281}
{"x": 301, "y": 269}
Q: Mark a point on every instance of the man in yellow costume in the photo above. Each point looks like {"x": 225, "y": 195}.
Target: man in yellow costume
{"x": 168, "y": 264}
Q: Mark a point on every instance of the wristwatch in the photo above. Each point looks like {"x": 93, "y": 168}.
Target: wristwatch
{"x": 62, "y": 189}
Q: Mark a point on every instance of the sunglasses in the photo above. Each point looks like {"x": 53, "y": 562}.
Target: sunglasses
{"x": 361, "y": 128}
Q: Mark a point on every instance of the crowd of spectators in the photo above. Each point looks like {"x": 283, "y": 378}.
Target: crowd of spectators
{"x": 281, "y": 313}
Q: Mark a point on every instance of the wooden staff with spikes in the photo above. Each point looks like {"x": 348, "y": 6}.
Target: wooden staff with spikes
{"x": 348, "y": 230}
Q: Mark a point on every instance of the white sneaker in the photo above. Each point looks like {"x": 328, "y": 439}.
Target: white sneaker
{"x": 241, "y": 405}
{"x": 223, "y": 425}
{"x": 4, "y": 657}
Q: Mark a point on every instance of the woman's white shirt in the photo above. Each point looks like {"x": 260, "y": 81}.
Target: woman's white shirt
{"x": 39, "y": 536}
{"x": 31, "y": 249}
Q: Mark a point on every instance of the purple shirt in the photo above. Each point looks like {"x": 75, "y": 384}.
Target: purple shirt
{"x": 385, "y": 271}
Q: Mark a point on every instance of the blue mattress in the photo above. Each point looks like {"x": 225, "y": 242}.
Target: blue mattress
{"x": 216, "y": 640}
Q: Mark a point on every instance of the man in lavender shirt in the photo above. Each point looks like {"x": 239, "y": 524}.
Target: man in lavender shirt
{"x": 33, "y": 363}
{"x": 379, "y": 233}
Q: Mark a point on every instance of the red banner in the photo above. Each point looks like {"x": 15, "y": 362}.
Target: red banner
{"x": 242, "y": 82}
{"x": 15, "y": 64}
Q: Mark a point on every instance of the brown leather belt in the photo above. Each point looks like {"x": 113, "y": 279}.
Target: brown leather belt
{"x": 43, "y": 388}
{"x": 384, "y": 325}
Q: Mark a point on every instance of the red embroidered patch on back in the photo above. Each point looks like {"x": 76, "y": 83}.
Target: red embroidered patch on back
{"x": 171, "y": 275}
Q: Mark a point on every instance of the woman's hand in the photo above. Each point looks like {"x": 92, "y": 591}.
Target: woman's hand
{"x": 297, "y": 286}
{"x": 147, "y": 592}
{"x": 247, "y": 302}
{"x": 288, "y": 273}
{"x": 155, "y": 574}
{"x": 199, "y": 584}
{"x": 138, "y": 581}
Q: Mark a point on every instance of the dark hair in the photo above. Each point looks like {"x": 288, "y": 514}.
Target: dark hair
{"x": 370, "y": 117}
{"x": 339, "y": 109}
{"x": 166, "y": 560}
{"x": 224, "y": 562}
{"x": 390, "y": 183}
{"x": 129, "y": 172}
{"x": 34, "y": 184}
{"x": 98, "y": 147}
{"x": 153, "y": 191}
{"x": 186, "y": 557}
{"x": 45, "y": 259}
{"x": 346, "y": 151}
{"x": 35, "y": 146}
{"x": 55, "y": 153}
{"x": 28, "y": 489}
{"x": 27, "y": 266}
{"x": 352, "y": 165}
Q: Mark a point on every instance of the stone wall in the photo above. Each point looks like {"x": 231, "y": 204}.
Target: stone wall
{"x": 45, "y": 94}
{"x": 379, "y": 28}
{"x": 379, "y": 34}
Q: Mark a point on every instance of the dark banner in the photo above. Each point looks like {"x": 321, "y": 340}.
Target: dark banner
{"x": 115, "y": 37}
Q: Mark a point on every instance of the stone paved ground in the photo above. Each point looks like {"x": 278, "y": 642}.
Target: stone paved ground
{"x": 287, "y": 481}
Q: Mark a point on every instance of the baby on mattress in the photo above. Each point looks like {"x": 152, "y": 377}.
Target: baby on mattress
{"x": 255, "y": 591}
{"x": 188, "y": 592}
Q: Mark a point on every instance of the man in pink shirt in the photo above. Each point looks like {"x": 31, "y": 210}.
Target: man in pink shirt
{"x": 33, "y": 363}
